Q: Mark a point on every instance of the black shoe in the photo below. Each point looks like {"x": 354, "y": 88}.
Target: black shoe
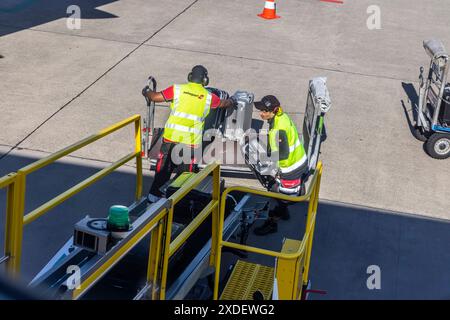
{"x": 268, "y": 227}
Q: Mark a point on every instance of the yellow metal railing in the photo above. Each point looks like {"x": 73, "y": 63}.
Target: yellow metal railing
{"x": 9, "y": 182}
{"x": 161, "y": 245}
{"x": 16, "y": 184}
{"x": 304, "y": 252}
{"x": 211, "y": 207}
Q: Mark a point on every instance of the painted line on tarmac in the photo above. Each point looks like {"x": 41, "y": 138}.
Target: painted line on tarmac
{"x": 284, "y": 63}
{"x": 333, "y": 1}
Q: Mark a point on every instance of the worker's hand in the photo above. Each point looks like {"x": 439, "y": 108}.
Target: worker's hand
{"x": 234, "y": 101}
{"x": 145, "y": 91}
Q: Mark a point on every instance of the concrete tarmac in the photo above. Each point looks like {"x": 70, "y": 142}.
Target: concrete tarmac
{"x": 60, "y": 85}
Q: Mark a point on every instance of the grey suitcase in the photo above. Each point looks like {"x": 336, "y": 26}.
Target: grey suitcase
{"x": 238, "y": 120}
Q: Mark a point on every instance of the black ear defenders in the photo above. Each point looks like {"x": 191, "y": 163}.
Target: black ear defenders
{"x": 205, "y": 80}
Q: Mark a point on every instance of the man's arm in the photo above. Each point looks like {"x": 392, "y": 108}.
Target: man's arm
{"x": 228, "y": 103}
{"x": 165, "y": 95}
{"x": 216, "y": 102}
{"x": 155, "y": 96}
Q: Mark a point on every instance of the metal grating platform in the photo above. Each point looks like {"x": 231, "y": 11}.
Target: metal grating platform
{"x": 246, "y": 279}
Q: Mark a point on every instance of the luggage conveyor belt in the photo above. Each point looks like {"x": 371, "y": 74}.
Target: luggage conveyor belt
{"x": 53, "y": 277}
{"x": 199, "y": 268}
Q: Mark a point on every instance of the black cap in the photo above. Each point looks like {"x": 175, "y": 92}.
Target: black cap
{"x": 267, "y": 103}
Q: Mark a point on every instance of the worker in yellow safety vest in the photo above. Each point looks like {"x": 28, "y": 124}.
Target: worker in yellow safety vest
{"x": 291, "y": 160}
{"x": 190, "y": 104}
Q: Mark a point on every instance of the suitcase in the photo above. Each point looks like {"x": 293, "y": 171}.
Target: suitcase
{"x": 239, "y": 119}
{"x": 215, "y": 120}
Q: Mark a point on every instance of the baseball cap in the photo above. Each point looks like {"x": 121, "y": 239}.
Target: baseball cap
{"x": 267, "y": 103}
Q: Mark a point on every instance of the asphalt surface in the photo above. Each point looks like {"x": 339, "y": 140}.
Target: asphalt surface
{"x": 61, "y": 85}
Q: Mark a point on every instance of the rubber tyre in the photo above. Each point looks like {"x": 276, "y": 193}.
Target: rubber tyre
{"x": 438, "y": 146}
{"x": 417, "y": 133}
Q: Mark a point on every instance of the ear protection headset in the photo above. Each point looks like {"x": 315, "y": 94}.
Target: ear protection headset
{"x": 205, "y": 78}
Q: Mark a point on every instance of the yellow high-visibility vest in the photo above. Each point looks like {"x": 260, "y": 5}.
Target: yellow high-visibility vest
{"x": 297, "y": 155}
{"x": 190, "y": 106}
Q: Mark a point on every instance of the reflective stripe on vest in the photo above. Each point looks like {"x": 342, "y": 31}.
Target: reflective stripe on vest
{"x": 186, "y": 115}
{"x": 190, "y": 106}
{"x": 181, "y": 128}
{"x": 296, "y": 165}
{"x": 297, "y": 144}
{"x": 176, "y": 96}
{"x": 297, "y": 156}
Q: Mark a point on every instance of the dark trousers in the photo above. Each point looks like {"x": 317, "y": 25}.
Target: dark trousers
{"x": 280, "y": 207}
{"x": 165, "y": 166}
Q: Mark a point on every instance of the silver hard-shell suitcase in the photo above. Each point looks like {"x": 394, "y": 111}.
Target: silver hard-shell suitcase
{"x": 239, "y": 119}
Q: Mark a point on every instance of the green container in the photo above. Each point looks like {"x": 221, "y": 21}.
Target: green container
{"x": 118, "y": 218}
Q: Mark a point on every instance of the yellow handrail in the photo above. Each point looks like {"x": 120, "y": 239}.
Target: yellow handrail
{"x": 212, "y": 206}
{"x": 16, "y": 183}
{"x": 312, "y": 195}
{"x": 9, "y": 182}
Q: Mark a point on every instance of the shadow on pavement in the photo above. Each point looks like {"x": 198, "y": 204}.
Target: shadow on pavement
{"x": 23, "y": 14}
{"x": 413, "y": 100}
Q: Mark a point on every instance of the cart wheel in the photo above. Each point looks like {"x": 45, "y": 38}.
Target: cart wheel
{"x": 438, "y": 146}
{"x": 418, "y": 134}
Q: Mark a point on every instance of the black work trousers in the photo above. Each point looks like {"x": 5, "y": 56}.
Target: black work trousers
{"x": 166, "y": 165}
{"x": 280, "y": 207}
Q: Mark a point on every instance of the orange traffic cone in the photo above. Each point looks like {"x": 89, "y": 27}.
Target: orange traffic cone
{"x": 270, "y": 10}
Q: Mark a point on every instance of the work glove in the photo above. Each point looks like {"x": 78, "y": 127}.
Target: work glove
{"x": 269, "y": 168}
{"x": 145, "y": 91}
